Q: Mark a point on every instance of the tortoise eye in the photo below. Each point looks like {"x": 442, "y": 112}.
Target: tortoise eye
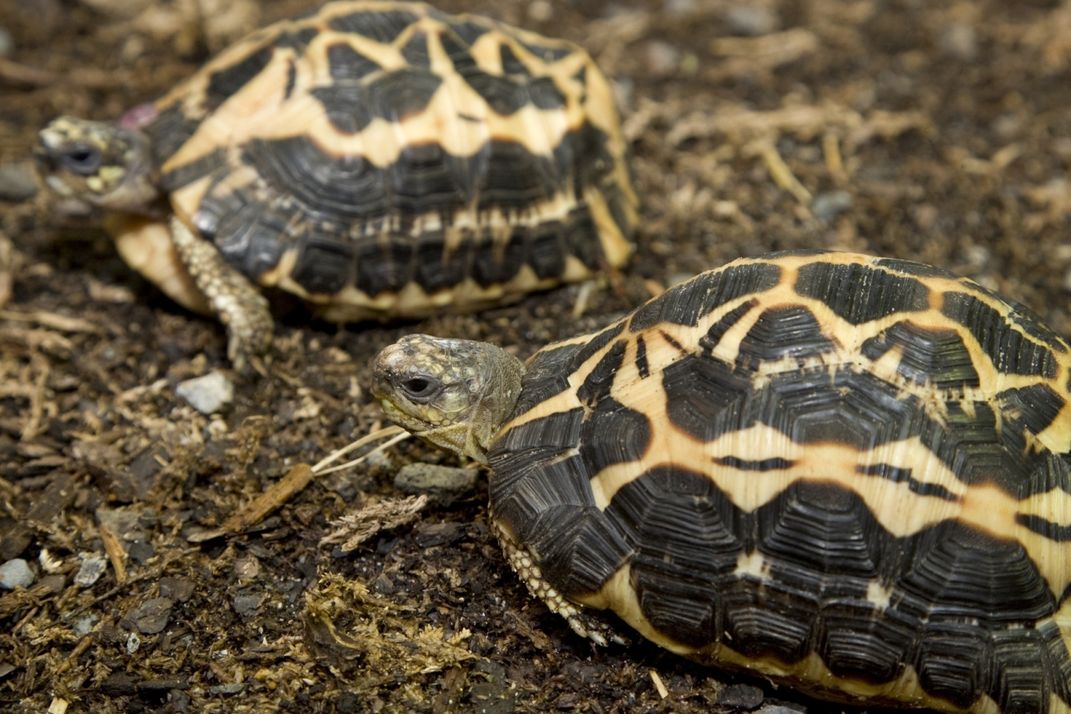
{"x": 82, "y": 159}
{"x": 421, "y": 388}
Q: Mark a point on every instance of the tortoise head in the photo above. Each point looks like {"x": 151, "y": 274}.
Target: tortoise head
{"x": 99, "y": 163}
{"x": 454, "y": 393}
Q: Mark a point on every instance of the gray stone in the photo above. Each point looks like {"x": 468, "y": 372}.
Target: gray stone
{"x": 751, "y": 20}
{"x": 152, "y": 615}
{"x": 207, "y": 394}
{"x": 17, "y": 181}
{"x": 829, "y": 205}
{"x": 442, "y": 484}
{"x": 15, "y": 573}
{"x": 84, "y": 624}
{"x": 93, "y": 566}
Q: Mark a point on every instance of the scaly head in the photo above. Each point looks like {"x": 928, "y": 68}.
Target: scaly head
{"x": 96, "y": 162}
{"x": 453, "y": 393}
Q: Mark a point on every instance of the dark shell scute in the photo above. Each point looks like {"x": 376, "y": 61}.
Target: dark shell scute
{"x": 384, "y": 268}
{"x": 494, "y": 264}
{"x": 511, "y": 64}
{"x": 225, "y": 82}
{"x": 458, "y": 51}
{"x": 683, "y": 532}
{"x": 599, "y": 382}
{"x": 705, "y": 396}
{"x": 378, "y": 26}
{"x": 346, "y": 105}
{"x": 211, "y": 163}
{"x": 858, "y": 293}
{"x": 437, "y": 269}
{"x": 910, "y": 267}
{"x": 468, "y": 30}
{"x": 781, "y": 332}
{"x": 324, "y": 265}
{"x": 415, "y": 51}
{"x": 169, "y": 131}
{"x": 613, "y": 434}
{"x": 927, "y": 355}
{"x": 712, "y": 339}
{"x": 398, "y": 94}
{"x": 851, "y": 408}
{"x": 504, "y": 95}
{"x": 545, "y": 94}
{"x": 1029, "y": 409}
{"x": 546, "y": 52}
{"x": 346, "y": 63}
{"x": 1008, "y": 349}
{"x": 546, "y": 250}
{"x": 686, "y": 304}
{"x": 246, "y": 232}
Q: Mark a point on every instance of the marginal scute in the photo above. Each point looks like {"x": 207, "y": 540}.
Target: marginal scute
{"x": 685, "y": 304}
{"x": 381, "y": 26}
{"x": 859, "y": 293}
{"x": 1009, "y": 350}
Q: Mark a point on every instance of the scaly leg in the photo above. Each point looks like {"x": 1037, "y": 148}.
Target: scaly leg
{"x": 584, "y": 622}
{"x": 235, "y": 300}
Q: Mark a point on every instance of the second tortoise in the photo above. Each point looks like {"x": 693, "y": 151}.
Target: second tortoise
{"x": 377, "y": 159}
{"x": 849, "y": 474}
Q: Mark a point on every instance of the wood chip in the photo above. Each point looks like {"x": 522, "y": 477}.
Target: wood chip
{"x": 116, "y": 553}
{"x": 659, "y": 684}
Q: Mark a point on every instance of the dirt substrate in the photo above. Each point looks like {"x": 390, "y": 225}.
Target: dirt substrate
{"x": 934, "y": 131}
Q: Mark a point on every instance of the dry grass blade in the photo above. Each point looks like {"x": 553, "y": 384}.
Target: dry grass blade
{"x": 394, "y": 433}
{"x": 355, "y": 528}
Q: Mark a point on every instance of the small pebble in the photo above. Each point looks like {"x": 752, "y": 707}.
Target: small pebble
{"x": 152, "y": 615}
{"x": 829, "y": 205}
{"x": 442, "y": 484}
{"x": 662, "y": 58}
{"x": 93, "y": 566}
{"x": 7, "y": 42}
{"x": 140, "y": 552}
{"x": 15, "y": 573}
{"x": 84, "y": 624}
{"x": 207, "y": 394}
{"x": 751, "y": 21}
{"x": 247, "y": 604}
{"x": 17, "y": 181}
{"x": 959, "y": 41}
{"x": 234, "y": 688}
{"x": 133, "y": 643}
{"x": 741, "y": 697}
{"x": 780, "y": 709}
{"x": 175, "y": 588}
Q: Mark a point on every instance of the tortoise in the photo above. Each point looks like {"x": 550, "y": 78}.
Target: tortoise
{"x": 378, "y": 159}
{"x": 848, "y": 474}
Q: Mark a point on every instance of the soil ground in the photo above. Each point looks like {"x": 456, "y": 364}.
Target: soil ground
{"x": 938, "y": 131}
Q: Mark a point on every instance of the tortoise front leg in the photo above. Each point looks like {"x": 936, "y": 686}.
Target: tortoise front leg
{"x": 232, "y": 297}
{"x": 584, "y": 622}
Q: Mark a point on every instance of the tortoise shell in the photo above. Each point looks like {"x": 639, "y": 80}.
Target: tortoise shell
{"x": 384, "y": 158}
{"x": 849, "y": 473}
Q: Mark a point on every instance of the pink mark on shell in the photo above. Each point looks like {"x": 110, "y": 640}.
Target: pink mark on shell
{"x": 139, "y": 116}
